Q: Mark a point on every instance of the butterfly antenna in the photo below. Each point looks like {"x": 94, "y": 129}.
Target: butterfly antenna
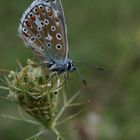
{"x": 98, "y": 68}
{"x": 81, "y": 76}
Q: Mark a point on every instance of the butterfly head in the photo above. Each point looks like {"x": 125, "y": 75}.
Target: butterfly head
{"x": 70, "y": 65}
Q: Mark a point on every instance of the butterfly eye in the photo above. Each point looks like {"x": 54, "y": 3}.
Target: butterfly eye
{"x": 58, "y": 47}
{"x": 68, "y": 65}
{"x": 49, "y": 45}
{"x": 53, "y": 28}
{"x": 58, "y": 36}
{"x": 46, "y": 22}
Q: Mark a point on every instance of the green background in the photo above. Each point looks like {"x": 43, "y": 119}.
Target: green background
{"x": 103, "y": 33}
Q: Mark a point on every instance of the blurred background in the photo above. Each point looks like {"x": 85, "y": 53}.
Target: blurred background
{"x": 104, "y": 33}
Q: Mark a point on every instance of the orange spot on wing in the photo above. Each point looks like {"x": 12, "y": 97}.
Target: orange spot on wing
{"x": 50, "y": 13}
{"x": 28, "y": 23}
{"x": 33, "y": 18}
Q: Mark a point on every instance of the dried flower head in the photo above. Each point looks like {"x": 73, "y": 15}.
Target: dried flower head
{"x": 36, "y": 89}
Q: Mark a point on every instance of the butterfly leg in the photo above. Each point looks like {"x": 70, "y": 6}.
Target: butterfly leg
{"x": 65, "y": 78}
{"x": 52, "y": 76}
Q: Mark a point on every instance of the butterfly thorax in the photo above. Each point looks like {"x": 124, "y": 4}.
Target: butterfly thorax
{"x": 60, "y": 66}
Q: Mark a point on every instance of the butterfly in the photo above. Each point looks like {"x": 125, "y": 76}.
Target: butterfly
{"x": 43, "y": 29}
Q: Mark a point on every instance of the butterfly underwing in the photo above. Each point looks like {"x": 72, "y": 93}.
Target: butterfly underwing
{"x": 43, "y": 29}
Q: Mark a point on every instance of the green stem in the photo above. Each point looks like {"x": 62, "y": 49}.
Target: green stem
{"x": 19, "y": 119}
{"x": 56, "y": 132}
{"x": 70, "y": 117}
{"x": 36, "y": 135}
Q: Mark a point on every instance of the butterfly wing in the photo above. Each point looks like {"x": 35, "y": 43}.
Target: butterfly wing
{"x": 43, "y": 29}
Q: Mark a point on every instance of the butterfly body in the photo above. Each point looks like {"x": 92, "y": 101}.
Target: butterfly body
{"x": 43, "y": 29}
{"x": 60, "y": 66}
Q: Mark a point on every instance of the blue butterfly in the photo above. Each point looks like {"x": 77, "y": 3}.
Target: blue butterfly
{"x": 43, "y": 29}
